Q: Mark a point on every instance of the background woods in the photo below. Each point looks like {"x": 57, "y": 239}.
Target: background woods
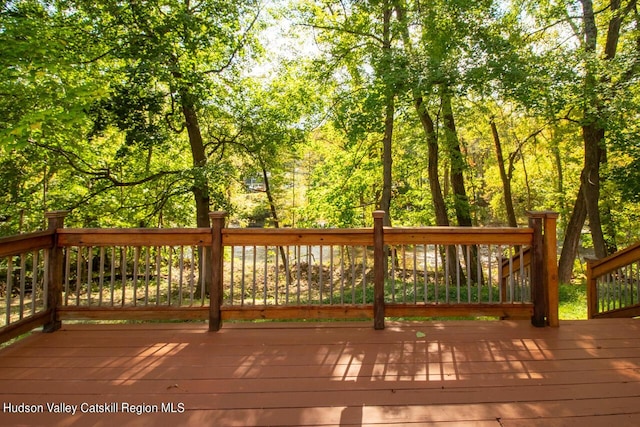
{"x": 309, "y": 113}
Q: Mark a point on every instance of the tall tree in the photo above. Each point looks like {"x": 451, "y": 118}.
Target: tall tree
{"x": 390, "y": 93}
{"x": 504, "y": 176}
{"x": 44, "y": 90}
{"x": 458, "y": 163}
{"x": 362, "y": 57}
{"x": 421, "y": 107}
{"x": 601, "y": 81}
{"x": 170, "y": 54}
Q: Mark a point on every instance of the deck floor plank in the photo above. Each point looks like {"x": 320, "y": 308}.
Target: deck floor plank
{"x": 502, "y": 374}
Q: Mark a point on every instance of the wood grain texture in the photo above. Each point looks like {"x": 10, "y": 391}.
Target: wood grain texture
{"x": 16, "y": 245}
{"x": 296, "y": 237}
{"x": 458, "y": 236}
{"x": 134, "y": 237}
{"x": 497, "y": 373}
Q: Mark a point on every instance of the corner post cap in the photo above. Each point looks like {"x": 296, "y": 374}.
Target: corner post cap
{"x": 379, "y": 214}
{"x": 56, "y": 214}
{"x": 542, "y": 214}
{"x": 217, "y": 214}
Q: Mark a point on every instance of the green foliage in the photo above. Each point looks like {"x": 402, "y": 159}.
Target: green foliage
{"x": 94, "y": 94}
{"x": 573, "y": 302}
{"x": 99, "y": 90}
{"x": 340, "y": 186}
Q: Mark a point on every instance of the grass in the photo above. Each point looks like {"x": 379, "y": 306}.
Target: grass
{"x": 573, "y": 301}
{"x": 572, "y": 306}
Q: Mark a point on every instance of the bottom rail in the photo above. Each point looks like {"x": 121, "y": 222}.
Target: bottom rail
{"x": 502, "y": 311}
{"x": 307, "y": 312}
{"x": 365, "y": 311}
{"x": 134, "y": 313}
{"x": 25, "y": 325}
{"x": 619, "y": 313}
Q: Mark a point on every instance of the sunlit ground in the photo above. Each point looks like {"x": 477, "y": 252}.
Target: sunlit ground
{"x": 573, "y": 301}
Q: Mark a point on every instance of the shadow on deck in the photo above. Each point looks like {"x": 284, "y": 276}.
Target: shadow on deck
{"x": 505, "y": 373}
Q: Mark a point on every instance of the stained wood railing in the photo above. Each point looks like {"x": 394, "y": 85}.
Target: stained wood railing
{"x": 220, "y": 273}
{"x": 25, "y": 276}
{"x": 134, "y": 273}
{"x": 613, "y": 284}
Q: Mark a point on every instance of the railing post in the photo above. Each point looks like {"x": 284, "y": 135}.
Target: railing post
{"x": 551, "y": 268}
{"x": 378, "y": 269}
{"x": 592, "y": 291}
{"x": 537, "y": 273}
{"x": 217, "y": 263}
{"x": 55, "y": 263}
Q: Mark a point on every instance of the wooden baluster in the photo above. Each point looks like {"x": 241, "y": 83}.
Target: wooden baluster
{"x": 23, "y": 284}
{"x": 34, "y": 279}
{"x": 101, "y": 276}
{"x": 9, "y": 290}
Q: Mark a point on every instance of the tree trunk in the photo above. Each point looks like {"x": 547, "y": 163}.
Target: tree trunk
{"x": 276, "y": 221}
{"x": 610, "y": 50}
{"x": 506, "y": 182}
{"x": 270, "y": 199}
{"x": 428, "y": 125}
{"x": 560, "y": 184}
{"x": 200, "y": 188}
{"x": 587, "y": 202}
{"x": 442, "y": 219}
{"x": 593, "y": 131}
{"x": 439, "y": 205}
{"x": 461, "y": 200}
{"x": 590, "y": 184}
{"x": 387, "y": 160}
{"x": 572, "y": 239}
{"x": 592, "y": 136}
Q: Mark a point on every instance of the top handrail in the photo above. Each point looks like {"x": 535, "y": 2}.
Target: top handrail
{"x": 133, "y": 236}
{"x": 459, "y": 235}
{"x": 16, "y": 245}
{"x": 291, "y": 236}
{"x": 601, "y": 273}
{"x": 614, "y": 261}
{"x": 296, "y": 236}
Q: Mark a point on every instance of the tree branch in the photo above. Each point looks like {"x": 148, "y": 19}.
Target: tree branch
{"x": 343, "y": 30}
{"x": 236, "y": 49}
{"x": 104, "y": 173}
{"x": 97, "y": 58}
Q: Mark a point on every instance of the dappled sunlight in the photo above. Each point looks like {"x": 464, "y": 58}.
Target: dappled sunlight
{"x": 152, "y": 357}
{"x": 348, "y": 374}
{"x": 438, "y": 360}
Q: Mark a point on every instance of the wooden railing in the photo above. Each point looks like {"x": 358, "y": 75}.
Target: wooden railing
{"x": 134, "y": 273}
{"x": 25, "y": 280}
{"x": 613, "y": 284}
{"x": 223, "y": 273}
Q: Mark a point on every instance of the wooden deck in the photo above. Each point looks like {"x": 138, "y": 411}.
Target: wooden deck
{"x": 507, "y": 373}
